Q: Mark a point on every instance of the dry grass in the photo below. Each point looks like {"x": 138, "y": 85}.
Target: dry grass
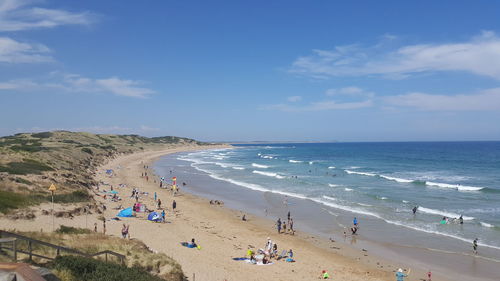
{"x": 136, "y": 252}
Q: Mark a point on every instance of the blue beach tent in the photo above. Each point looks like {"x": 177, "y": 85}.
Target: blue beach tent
{"x": 154, "y": 216}
{"x": 125, "y": 213}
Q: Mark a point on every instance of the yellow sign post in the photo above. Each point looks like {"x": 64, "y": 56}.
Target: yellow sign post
{"x": 52, "y": 188}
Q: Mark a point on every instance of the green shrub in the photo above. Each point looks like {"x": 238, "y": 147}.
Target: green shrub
{"x": 73, "y": 197}
{"x": 72, "y": 230}
{"x": 87, "y": 150}
{"x": 34, "y": 147}
{"x": 87, "y": 269}
{"x": 10, "y": 200}
{"x": 21, "y": 180}
{"x": 43, "y": 135}
{"x": 24, "y": 168}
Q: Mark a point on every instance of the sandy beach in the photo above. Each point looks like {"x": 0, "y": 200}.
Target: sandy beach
{"x": 219, "y": 231}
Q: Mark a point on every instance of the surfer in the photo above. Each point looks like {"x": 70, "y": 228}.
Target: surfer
{"x": 415, "y": 209}
{"x": 474, "y": 245}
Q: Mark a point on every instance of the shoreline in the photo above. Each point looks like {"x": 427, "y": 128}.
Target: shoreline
{"x": 220, "y": 232}
{"x": 453, "y": 265}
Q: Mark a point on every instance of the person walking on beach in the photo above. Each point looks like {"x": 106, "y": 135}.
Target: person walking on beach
{"x": 429, "y": 275}
{"x": 95, "y": 227}
{"x": 355, "y": 221}
{"x": 174, "y": 205}
{"x": 104, "y": 226}
{"x": 156, "y": 197}
{"x": 124, "y": 231}
{"x": 163, "y": 215}
{"x": 288, "y": 215}
{"x": 278, "y": 225}
{"x": 159, "y": 203}
{"x": 474, "y": 245}
{"x": 291, "y": 227}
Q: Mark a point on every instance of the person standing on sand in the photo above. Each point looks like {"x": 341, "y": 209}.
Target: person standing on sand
{"x": 156, "y": 197}
{"x": 95, "y": 227}
{"x": 163, "y": 215}
{"x": 429, "y": 275}
{"x": 174, "y": 205}
{"x": 291, "y": 227}
{"x": 104, "y": 226}
{"x": 159, "y": 204}
{"x": 278, "y": 225}
{"x": 355, "y": 221}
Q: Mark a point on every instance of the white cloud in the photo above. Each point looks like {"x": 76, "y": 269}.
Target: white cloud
{"x": 16, "y": 15}
{"x": 480, "y": 55}
{"x": 294, "y": 98}
{"x": 485, "y": 100}
{"x": 349, "y": 91}
{"x": 12, "y": 51}
{"x": 124, "y": 87}
{"x": 72, "y": 83}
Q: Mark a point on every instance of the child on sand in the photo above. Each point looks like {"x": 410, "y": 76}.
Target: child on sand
{"x": 400, "y": 276}
{"x": 324, "y": 274}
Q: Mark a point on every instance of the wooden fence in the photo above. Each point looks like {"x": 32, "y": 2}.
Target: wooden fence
{"x": 59, "y": 249}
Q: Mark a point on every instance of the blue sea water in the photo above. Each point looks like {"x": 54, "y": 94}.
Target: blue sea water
{"x": 381, "y": 180}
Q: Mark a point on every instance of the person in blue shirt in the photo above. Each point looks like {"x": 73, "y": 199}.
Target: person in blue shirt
{"x": 400, "y": 276}
{"x": 355, "y": 221}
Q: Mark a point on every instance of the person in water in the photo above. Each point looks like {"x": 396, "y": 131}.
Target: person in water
{"x": 474, "y": 245}
{"x": 461, "y": 219}
{"x": 415, "y": 209}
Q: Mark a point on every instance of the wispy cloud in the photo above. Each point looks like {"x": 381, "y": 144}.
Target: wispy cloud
{"x": 16, "y": 15}
{"x": 349, "y": 91}
{"x": 74, "y": 83}
{"x": 319, "y": 106}
{"x": 12, "y": 51}
{"x": 352, "y": 98}
{"x": 485, "y": 100}
{"x": 294, "y": 98}
{"x": 479, "y": 55}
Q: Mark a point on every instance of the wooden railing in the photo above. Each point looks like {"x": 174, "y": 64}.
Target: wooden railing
{"x": 59, "y": 249}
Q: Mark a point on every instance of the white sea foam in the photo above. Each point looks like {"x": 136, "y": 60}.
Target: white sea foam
{"x": 294, "y": 161}
{"x": 348, "y": 189}
{"x": 366, "y": 205}
{"x": 269, "y": 174}
{"x": 454, "y": 186}
{"x": 404, "y": 201}
{"x": 485, "y": 224}
{"x": 221, "y": 165}
{"x": 331, "y": 167}
{"x": 360, "y": 173}
{"x": 442, "y": 213}
{"x": 354, "y": 167}
{"x": 333, "y": 185}
{"x": 382, "y": 198}
{"x": 396, "y": 179}
{"x": 329, "y": 198}
{"x": 260, "y": 166}
{"x": 238, "y": 168}
{"x": 267, "y": 157}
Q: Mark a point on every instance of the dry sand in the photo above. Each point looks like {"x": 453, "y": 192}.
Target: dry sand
{"x": 219, "y": 231}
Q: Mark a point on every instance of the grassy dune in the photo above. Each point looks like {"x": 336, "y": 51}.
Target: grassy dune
{"x": 30, "y": 162}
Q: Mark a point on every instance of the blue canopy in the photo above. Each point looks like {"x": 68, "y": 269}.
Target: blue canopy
{"x": 154, "y": 216}
{"x": 125, "y": 213}
{"x": 113, "y": 192}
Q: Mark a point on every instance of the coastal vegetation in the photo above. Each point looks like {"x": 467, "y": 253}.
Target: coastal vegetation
{"x": 141, "y": 263}
{"x": 31, "y": 162}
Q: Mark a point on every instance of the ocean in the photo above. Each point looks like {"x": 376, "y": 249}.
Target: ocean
{"x": 379, "y": 182}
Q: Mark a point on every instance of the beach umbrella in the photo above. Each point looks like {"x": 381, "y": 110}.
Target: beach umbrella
{"x": 125, "y": 213}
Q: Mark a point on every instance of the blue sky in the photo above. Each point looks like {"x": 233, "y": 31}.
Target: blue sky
{"x": 253, "y": 70}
